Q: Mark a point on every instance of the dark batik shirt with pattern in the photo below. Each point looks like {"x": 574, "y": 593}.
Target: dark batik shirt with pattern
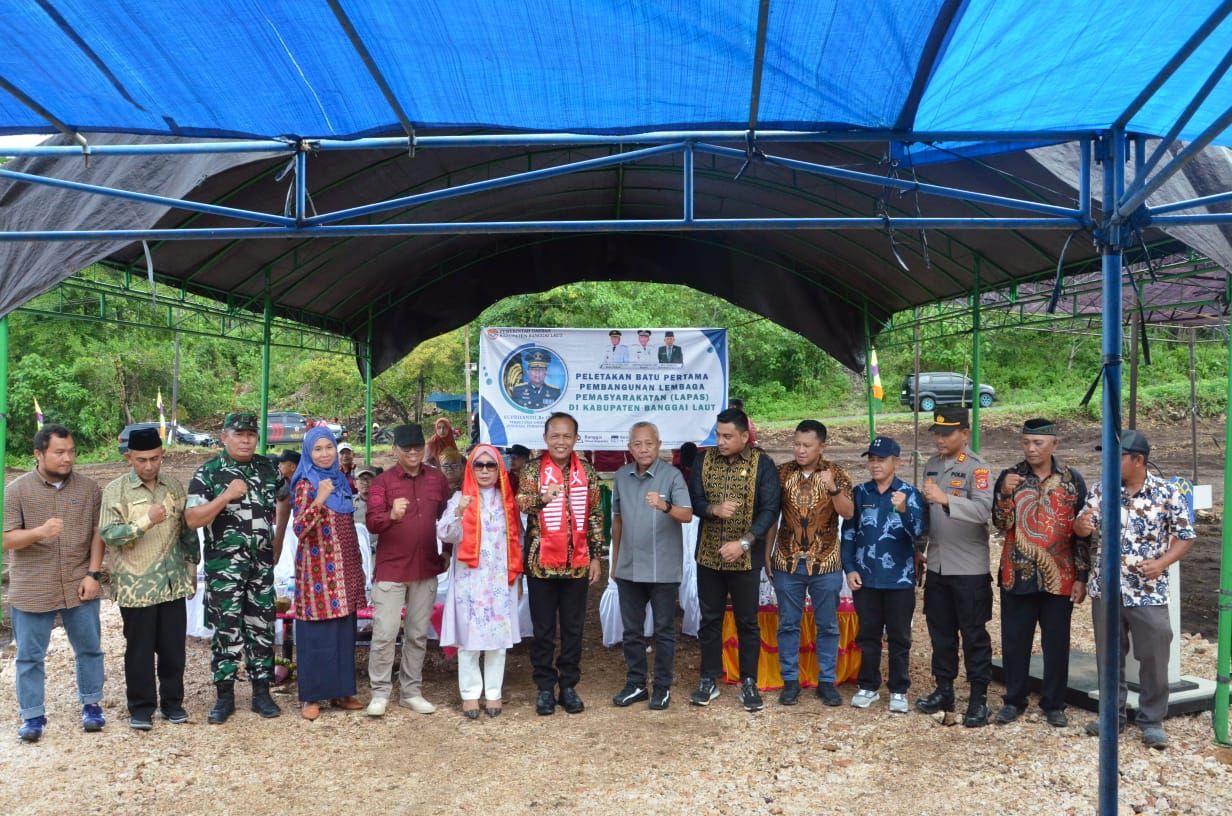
{"x": 1040, "y": 552}
{"x": 809, "y": 524}
{"x": 530, "y": 502}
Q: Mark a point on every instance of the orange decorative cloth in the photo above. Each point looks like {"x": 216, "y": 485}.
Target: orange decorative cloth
{"x": 472, "y": 529}
{"x": 768, "y": 676}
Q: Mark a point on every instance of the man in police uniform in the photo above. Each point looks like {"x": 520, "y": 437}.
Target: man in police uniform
{"x": 234, "y": 496}
{"x": 616, "y": 353}
{"x": 958, "y": 591}
{"x": 642, "y": 352}
{"x": 535, "y": 393}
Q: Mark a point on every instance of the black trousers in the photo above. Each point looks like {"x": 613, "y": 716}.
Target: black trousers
{"x": 713, "y": 588}
{"x": 634, "y": 595}
{"x": 154, "y": 635}
{"x": 887, "y": 610}
{"x": 1020, "y": 614}
{"x": 959, "y": 605}
{"x": 553, "y": 601}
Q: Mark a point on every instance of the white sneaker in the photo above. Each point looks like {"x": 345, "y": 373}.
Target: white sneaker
{"x": 865, "y": 698}
{"x": 376, "y": 708}
{"x": 898, "y": 703}
{"x": 419, "y": 705}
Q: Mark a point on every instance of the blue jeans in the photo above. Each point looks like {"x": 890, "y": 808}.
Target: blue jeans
{"x": 32, "y": 633}
{"x": 790, "y": 588}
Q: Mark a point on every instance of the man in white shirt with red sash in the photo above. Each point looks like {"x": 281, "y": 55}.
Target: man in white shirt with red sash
{"x": 559, "y": 492}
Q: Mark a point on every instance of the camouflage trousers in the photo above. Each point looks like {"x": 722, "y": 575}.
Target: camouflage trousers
{"x": 239, "y": 605}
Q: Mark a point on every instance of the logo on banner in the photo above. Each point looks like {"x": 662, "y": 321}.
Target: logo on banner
{"x": 533, "y": 377}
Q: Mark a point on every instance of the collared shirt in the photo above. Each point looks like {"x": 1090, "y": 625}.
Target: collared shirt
{"x": 958, "y": 532}
{"x": 1040, "y": 552}
{"x": 408, "y": 545}
{"x": 755, "y": 521}
{"x": 246, "y": 525}
{"x": 808, "y": 529}
{"x": 1157, "y": 513}
{"x": 149, "y": 563}
{"x": 879, "y": 541}
{"x": 45, "y": 576}
{"x": 530, "y": 502}
{"x": 651, "y": 541}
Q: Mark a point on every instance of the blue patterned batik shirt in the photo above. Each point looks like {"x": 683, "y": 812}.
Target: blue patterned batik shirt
{"x": 879, "y": 541}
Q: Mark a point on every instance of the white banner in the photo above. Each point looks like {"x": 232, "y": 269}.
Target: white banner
{"x": 607, "y": 378}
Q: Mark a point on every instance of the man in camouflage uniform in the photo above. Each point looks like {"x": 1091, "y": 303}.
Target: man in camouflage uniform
{"x": 234, "y": 496}
{"x": 153, "y": 559}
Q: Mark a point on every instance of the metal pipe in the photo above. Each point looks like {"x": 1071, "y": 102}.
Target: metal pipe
{"x": 1174, "y": 132}
{"x": 4, "y": 421}
{"x": 1134, "y": 342}
{"x": 1193, "y": 402}
{"x": 1084, "y": 181}
{"x": 900, "y": 184}
{"x": 976, "y": 370}
{"x": 368, "y": 393}
{"x": 868, "y": 377}
{"x": 1223, "y": 662}
{"x": 1141, "y": 189}
{"x": 1110, "y": 509}
{"x": 1189, "y": 203}
{"x": 515, "y": 227}
{"x": 915, "y": 399}
{"x": 688, "y": 181}
{"x": 301, "y": 186}
{"x": 1191, "y": 220}
{"x": 166, "y": 201}
{"x": 267, "y": 323}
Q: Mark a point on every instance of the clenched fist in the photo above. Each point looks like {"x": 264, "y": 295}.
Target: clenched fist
{"x": 237, "y": 489}
{"x": 399, "y": 509}
{"x": 1010, "y": 484}
{"x": 51, "y": 528}
{"x": 899, "y": 499}
{"x": 157, "y": 514}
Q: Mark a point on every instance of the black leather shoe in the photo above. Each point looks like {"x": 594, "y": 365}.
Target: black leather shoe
{"x": 224, "y": 706}
{"x": 977, "y": 712}
{"x": 262, "y": 702}
{"x": 570, "y": 701}
{"x": 829, "y": 694}
{"x": 1056, "y": 718}
{"x": 545, "y": 703}
{"x": 790, "y": 695}
{"x": 942, "y": 699}
{"x": 1008, "y": 713}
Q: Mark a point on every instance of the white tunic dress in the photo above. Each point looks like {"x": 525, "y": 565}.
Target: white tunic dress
{"x": 481, "y": 608}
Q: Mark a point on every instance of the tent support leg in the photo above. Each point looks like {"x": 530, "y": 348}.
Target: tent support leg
{"x": 368, "y": 393}
{"x": 1112, "y": 152}
{"x": 868, "y": 377}
{"x": 1193, "y": 402}
{"x": 915, "y": 400}
{"x": 1223, "y": 665}
{"x": 976, "y": 368}
{"x": 4, "y": 418}
{"x": 1134, "y": 341}
{"x": 265, "y": 366}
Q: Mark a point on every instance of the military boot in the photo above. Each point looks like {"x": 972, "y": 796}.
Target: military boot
{"x": 942, "y": 699}
{"x": 262, "y": 702}
{"x": 977, "y": 708}
{"x": 224, "y": 707}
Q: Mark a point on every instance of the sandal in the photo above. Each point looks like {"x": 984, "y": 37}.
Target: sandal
{"x": 310, "y": 711}
{"x": 347, "y": 703}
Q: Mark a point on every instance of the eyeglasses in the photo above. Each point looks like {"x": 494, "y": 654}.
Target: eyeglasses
{"x": 484, "y": 466}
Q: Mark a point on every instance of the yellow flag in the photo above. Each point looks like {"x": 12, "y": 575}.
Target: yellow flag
{"x": 878, "y": 391}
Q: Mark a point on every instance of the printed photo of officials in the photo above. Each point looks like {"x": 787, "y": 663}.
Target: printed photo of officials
{"x": 642, "y": 353}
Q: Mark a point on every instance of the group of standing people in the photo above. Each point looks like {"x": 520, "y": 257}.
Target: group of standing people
{"x": 805, "y": 522}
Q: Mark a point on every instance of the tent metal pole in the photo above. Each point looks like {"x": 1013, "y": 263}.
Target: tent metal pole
{"x": 368, "y": 393}
{"x": 1193, "y": 401}
{"x": 1112, "y": 152}
{"x": 265, "y": 366}
{"x": 1189, "y": 203}
{"x": 915, "y": 399}
{"x": 4, "y": 421}
{"x": 688, "y": 182}
{"x": 1142, "y": 188}
{"x": 868, "y": 377}
{"x": 1134, "y": 341}
{"x": 977, "y": 341}
{"x": 1161, "y": 149}
{"x": 1223, "y": 663}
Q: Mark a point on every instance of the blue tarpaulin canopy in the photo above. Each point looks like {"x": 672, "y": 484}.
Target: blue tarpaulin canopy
{"x": 351, "y": 68}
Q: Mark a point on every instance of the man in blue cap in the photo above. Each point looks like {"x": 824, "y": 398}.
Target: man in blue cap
{"x": 881, "y": 562}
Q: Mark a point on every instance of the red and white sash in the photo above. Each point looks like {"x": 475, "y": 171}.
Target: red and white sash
{"x": 556, "y": 526}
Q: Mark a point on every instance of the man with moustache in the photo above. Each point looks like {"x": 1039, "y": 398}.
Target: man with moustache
{"x": 54, "y": 555}
{"x": 234, "y": 496}
{"x": 559, "y": 493}
{"x": 958, "y": 590}
{"x": 153, "y": 558}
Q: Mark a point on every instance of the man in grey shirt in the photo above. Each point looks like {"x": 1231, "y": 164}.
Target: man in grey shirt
{"x": 650, "y": 502}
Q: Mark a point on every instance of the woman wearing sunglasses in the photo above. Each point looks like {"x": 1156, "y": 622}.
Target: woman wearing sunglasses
{"x": 481, "y": 605}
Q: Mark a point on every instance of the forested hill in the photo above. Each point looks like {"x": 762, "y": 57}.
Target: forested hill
{"x": 94, "y": 376}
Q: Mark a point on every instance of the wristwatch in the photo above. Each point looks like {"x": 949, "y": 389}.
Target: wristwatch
{"x": 96, "y": 575}
{"x": 668, "y": 502}
{"x": 745, "y": 543}
{"x": 835, "y": 491}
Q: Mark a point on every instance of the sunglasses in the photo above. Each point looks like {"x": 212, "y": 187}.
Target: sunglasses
{"x": 484, "y": 466}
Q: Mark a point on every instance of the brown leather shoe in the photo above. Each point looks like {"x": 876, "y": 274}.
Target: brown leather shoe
{"x": 347, "y": 703}
{"x": 310, "y": 711}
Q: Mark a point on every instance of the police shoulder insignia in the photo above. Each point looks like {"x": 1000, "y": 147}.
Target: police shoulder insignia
{"x": 962, "y": 457}
{"x": 981, "y": 478}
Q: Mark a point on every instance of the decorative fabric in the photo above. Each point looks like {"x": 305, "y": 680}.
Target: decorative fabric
{"x": 560, "y": 526}
{"x": 1041, "y": 553}
{"x": 340, "y": 500}
{"x": 724, "y": 479}
{"x": 329, "y": 572}
{"x": 809, "y": 523}
{"x": 769, "y": 676}
{"x": 474, "y": 527}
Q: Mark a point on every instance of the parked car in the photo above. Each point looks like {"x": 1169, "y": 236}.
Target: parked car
{"x": 944, "y": 388}
{"x": 285, "y": 426}
{"x": 183, "y": 435}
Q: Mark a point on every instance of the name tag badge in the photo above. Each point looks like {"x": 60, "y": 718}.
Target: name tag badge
{"x": 957, "y": 482}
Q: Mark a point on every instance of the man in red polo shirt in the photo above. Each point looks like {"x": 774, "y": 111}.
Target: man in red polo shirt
{"x": 404, "y": 503}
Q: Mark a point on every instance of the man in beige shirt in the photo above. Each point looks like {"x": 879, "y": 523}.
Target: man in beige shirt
{"x": 54, "y": 554}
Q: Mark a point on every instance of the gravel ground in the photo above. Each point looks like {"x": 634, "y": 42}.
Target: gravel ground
{"x": 721, "y": 760}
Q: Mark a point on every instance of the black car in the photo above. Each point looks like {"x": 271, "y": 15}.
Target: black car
{"x": 944, "y": 388}
{"x": 285, "y": 426}
{"x": 183, "y": 435}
